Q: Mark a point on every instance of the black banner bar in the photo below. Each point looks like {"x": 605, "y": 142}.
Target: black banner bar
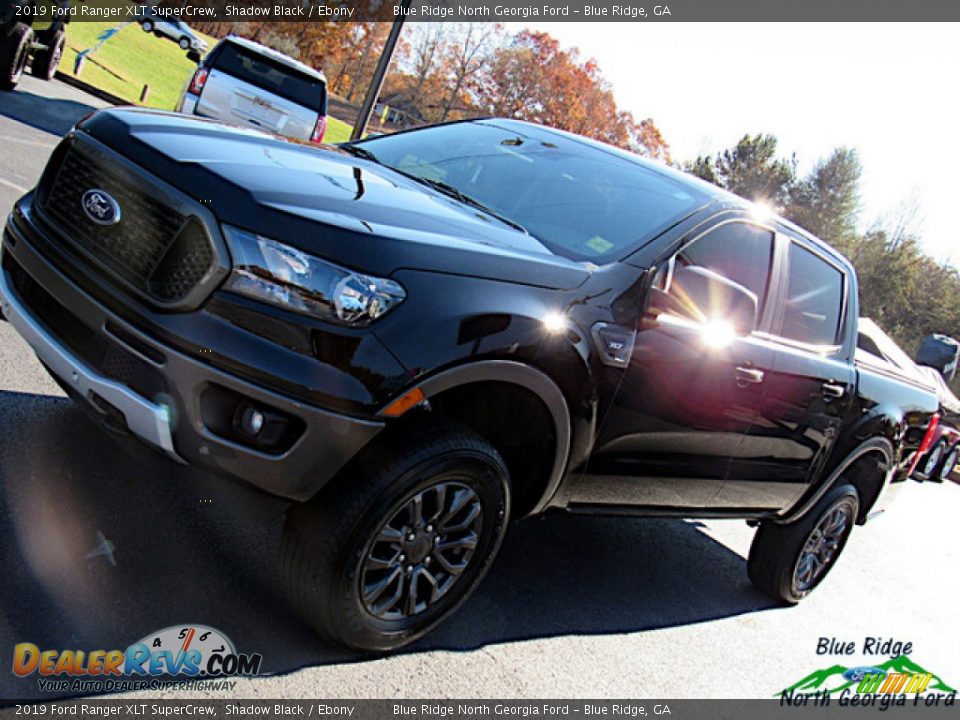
{"x": 522, "y": 10}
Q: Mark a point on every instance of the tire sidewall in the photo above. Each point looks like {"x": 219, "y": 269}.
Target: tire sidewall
{"x": 19, "y": 39}
{"x": 56, "y": 55}
{"x": 471, "y": 468}
{"x": 843, "y": 495}
{"x": 949, "y": 462}
{"x": 937, "y": 449}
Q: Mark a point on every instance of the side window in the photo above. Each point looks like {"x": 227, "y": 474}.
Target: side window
{"x": 740, "y": 252}
{"x": 814, "y": 299}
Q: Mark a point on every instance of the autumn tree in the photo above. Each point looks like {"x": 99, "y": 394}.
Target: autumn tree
{"x": 466, "y": 54}
{"x": 533, "y": 78}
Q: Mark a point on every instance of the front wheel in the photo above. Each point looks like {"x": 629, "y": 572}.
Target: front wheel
{"x": 14, "y": 51}
{"x": 184, "y": 43}
{"x": 147, "y": 26}
{"x": 788, "y": 561}
{"x": 401, "y": 541}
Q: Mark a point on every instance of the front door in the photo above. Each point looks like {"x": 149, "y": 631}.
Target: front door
{"x": 690, "y": 394}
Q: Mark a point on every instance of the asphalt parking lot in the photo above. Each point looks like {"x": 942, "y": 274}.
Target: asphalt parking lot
{"x": 574, "y": 607}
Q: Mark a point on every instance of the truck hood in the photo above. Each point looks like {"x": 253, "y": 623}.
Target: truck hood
{"x": 351, "y": 211}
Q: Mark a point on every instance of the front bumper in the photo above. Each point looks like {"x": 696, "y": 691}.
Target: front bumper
{"x": 173, "y": 413}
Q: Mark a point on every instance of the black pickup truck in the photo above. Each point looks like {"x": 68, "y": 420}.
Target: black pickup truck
{"x": 421, "y": 336}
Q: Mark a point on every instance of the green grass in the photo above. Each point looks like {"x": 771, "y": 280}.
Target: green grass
{"x": 128, "y": 61}
{"x": 337, "y": 131}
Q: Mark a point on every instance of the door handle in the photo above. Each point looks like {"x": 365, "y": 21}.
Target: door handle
{"x": 833, "y": 392}
{"x": 748, "y": 376}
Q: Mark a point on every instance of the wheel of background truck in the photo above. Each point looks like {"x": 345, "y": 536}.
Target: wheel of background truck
{"x": 401, "y": 539}
{"x": 14, "y": 51}
{"x": 184, "y": 43}
{"x": 950, "y": 462}
{"x": 788, "y": 561}
{"x": 932, "y": 461}
{"x": 147, "y": 26}
{"x": 45, "y": 62}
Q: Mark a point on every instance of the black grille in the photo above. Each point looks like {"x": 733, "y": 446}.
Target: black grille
{"x": 154, "y": 248}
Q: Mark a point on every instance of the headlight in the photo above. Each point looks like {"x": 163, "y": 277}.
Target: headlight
{"x": 290, "y": 278}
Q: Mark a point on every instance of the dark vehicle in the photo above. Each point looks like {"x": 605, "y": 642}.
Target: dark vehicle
{"x": 941, "y": 353}
{"x": 938, "y": 457}
{"x": 31, "y": 31}
{"x": 422, "y": 336}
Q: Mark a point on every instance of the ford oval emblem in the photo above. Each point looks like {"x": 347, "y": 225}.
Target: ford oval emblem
{"x": 100, "y": 207}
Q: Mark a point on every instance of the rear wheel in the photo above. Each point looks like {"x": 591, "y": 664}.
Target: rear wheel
{"x": 932, "y": 462}
{"x": 787, "y": 562}
{"x": 401, "y": 541}
{"x": 45, "y": 62}
{"x": 14, "y": 51}
{"x": 147, "y": 25}
{"x": 950, "y": 462}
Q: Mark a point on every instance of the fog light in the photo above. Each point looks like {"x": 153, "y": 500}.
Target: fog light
{"x": 251, "y": 421}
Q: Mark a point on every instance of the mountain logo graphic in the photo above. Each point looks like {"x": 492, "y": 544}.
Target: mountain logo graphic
{"x": 899, "y": 674}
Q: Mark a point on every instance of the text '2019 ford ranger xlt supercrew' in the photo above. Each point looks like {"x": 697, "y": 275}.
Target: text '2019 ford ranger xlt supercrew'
{"x": 420, "y": 336}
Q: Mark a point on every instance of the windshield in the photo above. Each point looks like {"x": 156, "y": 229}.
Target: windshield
{"x": 582, "y": 201}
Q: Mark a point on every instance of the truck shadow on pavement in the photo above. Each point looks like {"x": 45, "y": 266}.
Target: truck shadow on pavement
{"x": 100, "y": 547}
{"x": 52, "y": 115}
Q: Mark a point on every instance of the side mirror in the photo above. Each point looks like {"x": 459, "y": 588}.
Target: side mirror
{"x": 699, "y": 296}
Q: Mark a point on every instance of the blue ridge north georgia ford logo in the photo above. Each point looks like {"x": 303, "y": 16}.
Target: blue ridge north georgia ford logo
{"x": 100, "y": 207}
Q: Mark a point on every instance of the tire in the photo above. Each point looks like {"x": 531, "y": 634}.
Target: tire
{"x": 950, "y": 462}
{"x": 347, "y": 554}
{"x": 931, "y": 463}
{"x": 778, "y": 561}
{"x": 184, "y": 43}
{"x": 147, "y": 26}
{"x": 14, "y": 52}
{"x": 46, "y": 61}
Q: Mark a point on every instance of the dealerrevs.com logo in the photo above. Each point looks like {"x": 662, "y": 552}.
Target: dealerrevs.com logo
{"x": 184, "y": 653}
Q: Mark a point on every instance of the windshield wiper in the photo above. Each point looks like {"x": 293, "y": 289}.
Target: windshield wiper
{"x": 358, "y": 151}
{"x": 456, "y": 194}
{"x": 438, "y": 185}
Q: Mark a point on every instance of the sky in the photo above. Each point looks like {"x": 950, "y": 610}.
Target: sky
{"x": 888, "y": 90}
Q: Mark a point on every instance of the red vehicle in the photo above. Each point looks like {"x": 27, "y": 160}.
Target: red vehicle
{"x": 938, "y": 455}
{"x": 939, "y": 462}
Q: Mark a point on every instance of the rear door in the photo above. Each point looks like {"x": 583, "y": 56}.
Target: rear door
{"x": 808, "y": 389}
{"x": 248, "y": 88}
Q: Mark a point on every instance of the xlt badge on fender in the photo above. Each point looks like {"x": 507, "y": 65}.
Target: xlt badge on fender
{"x": 100, "y": 207}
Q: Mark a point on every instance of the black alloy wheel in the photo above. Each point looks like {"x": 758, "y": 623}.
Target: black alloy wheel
{"x": 822, "y": 547}
{"x": 417, "y": 556}
{"x": 401, "y": 538}
{"x": 788, "y": 561}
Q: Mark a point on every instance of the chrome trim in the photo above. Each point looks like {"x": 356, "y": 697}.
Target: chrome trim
{"x": 148, "y": 421}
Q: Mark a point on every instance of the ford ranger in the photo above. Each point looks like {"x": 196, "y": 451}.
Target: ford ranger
{"x": 421, "y": 336}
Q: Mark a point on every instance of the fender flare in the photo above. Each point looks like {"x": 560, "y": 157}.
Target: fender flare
{"x": 529, "y": 378}
{"x": 883, "y": 445}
